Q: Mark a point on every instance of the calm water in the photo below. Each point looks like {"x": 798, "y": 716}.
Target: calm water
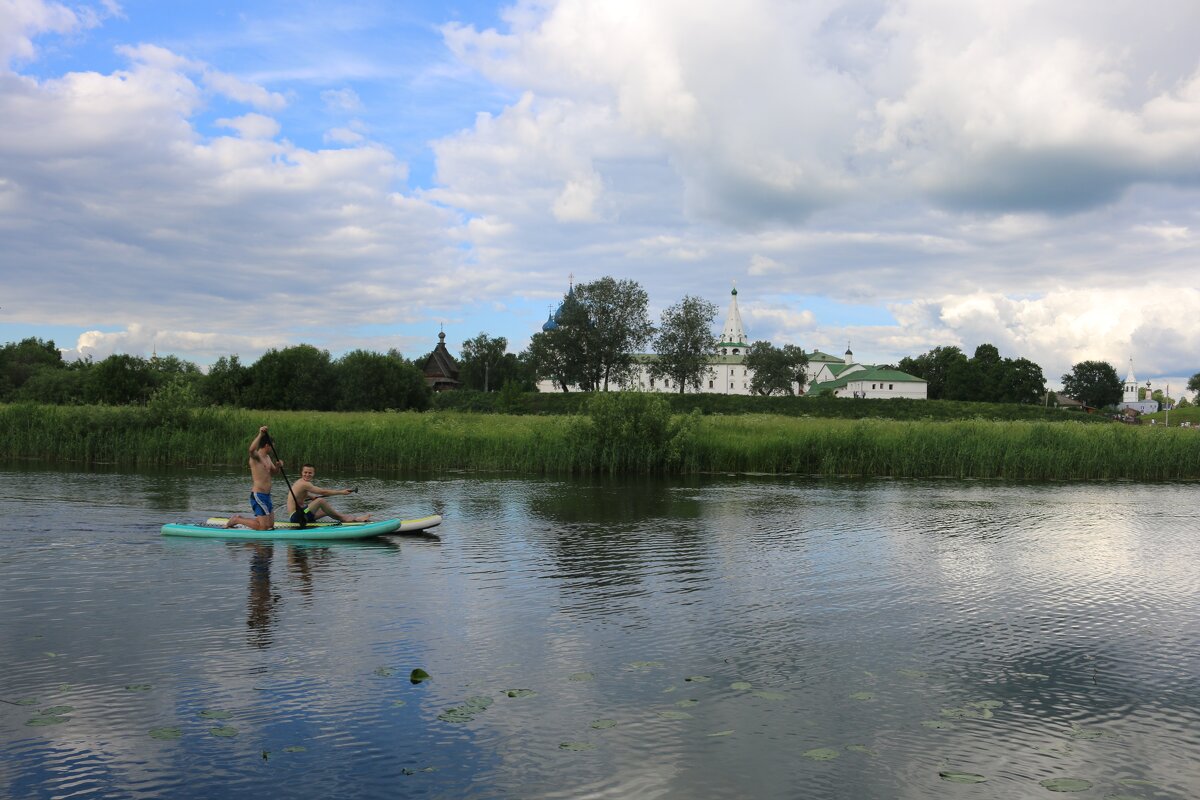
{"x": 718, "y": 637}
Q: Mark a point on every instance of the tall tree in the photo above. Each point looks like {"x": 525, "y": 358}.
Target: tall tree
{"x": 367, "y": 381}
{"x": 935, "y": 367}
{"x": 1193, "y": 384}
{"x": 547, "y": 358}
{"x": 1021, "y": 381}
{"x": 19, "y": 361}
{"x": 776, "y": 369}
{"x": 294, "y": 378}
{"x": 482, "y": 364}
{"x": 1093, "y": 383}
{"x": 120, "y": 379}
{"x": 226, "y": 382}
{"x": 685, "y": 342}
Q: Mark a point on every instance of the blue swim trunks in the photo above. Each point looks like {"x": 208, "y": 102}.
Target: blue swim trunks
{"x": 260, "y": 504}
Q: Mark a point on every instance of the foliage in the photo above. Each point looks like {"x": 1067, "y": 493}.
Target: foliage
{"x": 685, "y": 342}
{"x": 366, "y": 381}
{"x": 935, "y": 367}
{"x": 299, "y": 377}
{"x": 633, "y": 432}
{"x": 120, "y": 379}
{"x": 1193, "y": 384}
{"x": 172, "y": 404}
{"x": 600, "y": 326}
{"x": 485, "y": 366}
{"x": 776, "y": 369}
{"x": 21, "y": 360}
{"x": 1093, "y": 383}
{"x": 985, "y": 377}
{"x": 227, "y": 382}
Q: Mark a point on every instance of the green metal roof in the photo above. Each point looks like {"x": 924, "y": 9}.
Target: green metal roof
{"x": 877, "y": 374}
{"x": 817, "y": 355}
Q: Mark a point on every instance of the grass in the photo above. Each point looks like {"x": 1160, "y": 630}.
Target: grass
{"x": 576, "y": 444}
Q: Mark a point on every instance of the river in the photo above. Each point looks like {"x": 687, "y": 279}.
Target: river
{"x": 716, "y": 636}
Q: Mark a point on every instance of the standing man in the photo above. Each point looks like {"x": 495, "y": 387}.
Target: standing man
{"x": 313, "y": 510}
{"x": 261, "y": 470}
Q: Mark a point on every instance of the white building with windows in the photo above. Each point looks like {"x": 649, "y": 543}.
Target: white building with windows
{"x": 728, "y": 374}
{"x": 1129, "y": 396}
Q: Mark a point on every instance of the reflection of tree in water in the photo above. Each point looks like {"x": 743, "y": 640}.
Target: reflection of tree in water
{"x": 608, "y": 533}
{"x": 260, "y": 616}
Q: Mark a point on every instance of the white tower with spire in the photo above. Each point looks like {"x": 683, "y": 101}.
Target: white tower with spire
{"x": 733, "y": 337}
{"x": 1131, "y": 386}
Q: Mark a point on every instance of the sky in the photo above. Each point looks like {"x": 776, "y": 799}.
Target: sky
{"x": 893, "y": 175}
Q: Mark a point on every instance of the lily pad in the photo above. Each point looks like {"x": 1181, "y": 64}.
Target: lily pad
{"x": 138, "y": 687}
{"x": 674, "y": 714}
{"x": 166, "y": 734}
{"x": 768, "y": 695}
{"x": 913, "y": 673}
{"x": 729, "y": 732}
{"x": 961, "y": 777}
{"x": 479, "y": 702}
{"x": 581, "y": 677}
{"x": 821, "y": 754}
{"x": 602, "y": 724}
{"x": 698, "y": 678}
{"x": 418, "y": 675}
{"x": 863, "y": 696}
{"x": 741, "y": 686}
{"x": 644, "y": 665}
{"x": 1066, "y": 784}
{"x": 1091, "y": 733}
{"x": 398, "y": 703}
{"x": 861, "y": 748}
{"x": 56, "y": 711}
{"x": 577, "y": 746}
{"x": 385, "y": 672}
{"x": 686, "y": 703}
{"x": 41, "y": 722}
{"x": 26, "y": 701}
{"x": 521, "y": 693}
{"x": 225, "y": 731}
{"x": 295, "y": 748}
{"x": 966, "y": 712}
{"x": 213, "y": 713}
{"x": 987, "y": 705}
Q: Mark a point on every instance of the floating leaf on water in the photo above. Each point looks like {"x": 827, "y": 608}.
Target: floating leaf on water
{"x": 987, "y": 704}
{"x": 26, "y": 701}
{"x": 418, "y": 675}
{"x": 861, "y": 748}
{"x": 138, "y": 687}
{"x": 644, "y": 665}
{"x": 686, "y": 703}
{"x": 385, "y": 672}
{"x": 407, "y": 771}
{"x": 521, "y": 693}
{"x": 961, "y": 777}
{"x": 1066, "y": 784}
{"x": 581, "y": 676}
{"x": 768, "y": 695}
{"x": 913, "y": 673}
{"x": 213, "y": 713}
{"x": 52, "y": 655}
{"x": 577, "y": 746}
{"x": 479, "y": 702}
{"x": 937, "y": 724}
{"x": 741, "y": 686}
{"x": 225, "y": 731}
{"x": 295, "y": 748}
{"x": 966, "y": 712}
{"x": 166, "y": 734}
{"x": 863, "y": 696}
{"x": 674, "y": 715}
{"x": 56, "y": 711}
{"x": 40, "y": 722}
{"x": 698, "y": 678}
{"x": 821, "y": 754}
{"x": 457, "y": 714}
{"x": 1137, "y": 782}
{"x": 601, "y": 724}
{"x": 729, "y": 732}
{"x": 1078, "y": 732}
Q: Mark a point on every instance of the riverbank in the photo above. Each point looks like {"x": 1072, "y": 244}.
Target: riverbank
{"x": 626, "y": 441}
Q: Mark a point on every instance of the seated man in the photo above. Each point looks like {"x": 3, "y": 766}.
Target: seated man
{"x": 312, "y": 502}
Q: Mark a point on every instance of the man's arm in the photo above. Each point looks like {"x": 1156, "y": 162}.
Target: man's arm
{"x": 327, "y": 492}
{"x": 257, "y": 440}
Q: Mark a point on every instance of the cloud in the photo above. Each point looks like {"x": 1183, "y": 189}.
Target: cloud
{"x": 341, "y": 100}
{"x": 21, "y": 21}
{"x": 252, "y": 126}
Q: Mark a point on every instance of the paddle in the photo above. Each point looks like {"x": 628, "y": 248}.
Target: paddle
{"x": 271, "y": 444}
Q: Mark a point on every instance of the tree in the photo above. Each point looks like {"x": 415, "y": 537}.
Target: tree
{"x": 685, "y": 342}
{"x": 481, "y": 364}
{"x": 21, "y": 360}
{"x": 776, "y": 369}
{"x": 294, "y": 378}
{"x": 369, "y": 381}
{"x": 120, "y": 380}
{"x": 226, "y": 382}
{"x": 1193, "y": 384}
{"x": 935, "y": 367}
{"x": 599, "y": 327}
{"x": 1020, "y": 381}
{"x": 1093, "y": 383}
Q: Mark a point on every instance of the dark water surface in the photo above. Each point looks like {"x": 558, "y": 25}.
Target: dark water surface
{"x": 714, "y": 637}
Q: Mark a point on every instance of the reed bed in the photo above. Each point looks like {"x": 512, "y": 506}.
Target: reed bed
{"x": 566, "y": 444}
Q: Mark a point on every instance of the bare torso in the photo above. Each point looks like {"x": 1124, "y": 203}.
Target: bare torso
{"x": 261, "y": 468}
{"x": 301, "y": 491}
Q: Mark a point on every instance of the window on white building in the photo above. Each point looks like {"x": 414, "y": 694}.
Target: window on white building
{"x": 891, "y": 385}
{"x": 710, "y": 384}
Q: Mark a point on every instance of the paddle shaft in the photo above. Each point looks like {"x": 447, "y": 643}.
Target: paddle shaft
{"x": 271, "y": 444}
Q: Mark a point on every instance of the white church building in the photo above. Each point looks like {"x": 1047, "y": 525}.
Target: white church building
{"x": 1129, "y": 396}
{"x": 728, "y": 374}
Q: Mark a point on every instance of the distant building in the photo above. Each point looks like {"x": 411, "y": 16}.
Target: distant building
{"x": 728, "y": 373}
{"x": 1129, "y": 398}
{"x": 441, "y": 370}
